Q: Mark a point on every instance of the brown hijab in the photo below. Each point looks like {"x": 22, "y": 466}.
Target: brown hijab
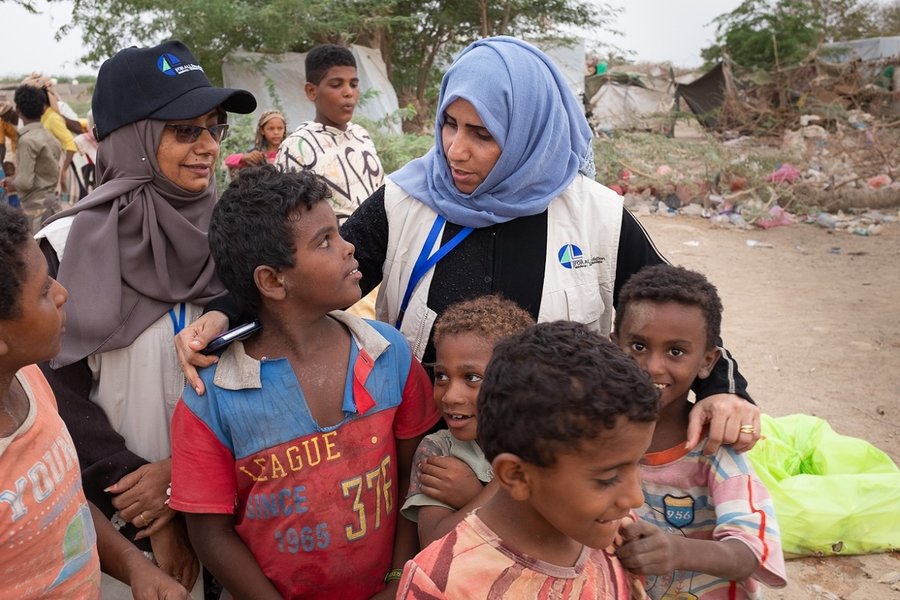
{"x": 136, "y": 248}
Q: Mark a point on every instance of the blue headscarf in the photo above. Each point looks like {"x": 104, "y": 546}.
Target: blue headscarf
{"x": 526, "y": 105}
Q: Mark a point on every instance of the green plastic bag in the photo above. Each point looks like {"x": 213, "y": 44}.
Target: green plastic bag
{"x": 833, "y": 494}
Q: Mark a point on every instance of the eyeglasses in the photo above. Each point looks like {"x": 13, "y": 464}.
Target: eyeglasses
{"x": 188, "y": 134}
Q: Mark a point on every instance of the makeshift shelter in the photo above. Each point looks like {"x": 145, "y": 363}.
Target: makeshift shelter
{"x": 865, "y": 50}
{"x": 278, "y": 80}
{"x": 628, "y": 106}
{"x": 706, "y": 95}
{"x": 569, "y": 60}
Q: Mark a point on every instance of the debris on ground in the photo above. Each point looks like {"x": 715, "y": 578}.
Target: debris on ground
{"x": 813, "y": 143}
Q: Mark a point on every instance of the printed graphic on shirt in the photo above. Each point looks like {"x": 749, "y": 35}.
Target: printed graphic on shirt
{"x": 78, "y": 546}
{"x": 679, "y": 510}
{"x": 346, "y": 160}
{"x": 47, "y": 536}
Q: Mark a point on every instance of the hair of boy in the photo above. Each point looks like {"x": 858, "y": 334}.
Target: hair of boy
{"x": 491, "y": 318}
{"x": 321, "y": 58}
{"x": 252, "y": 223}
{"x": 554, "y": 385}
{"x": 14, "y": 233}
{"x": 30, "y": 101}
{"x": 667, "y": 283}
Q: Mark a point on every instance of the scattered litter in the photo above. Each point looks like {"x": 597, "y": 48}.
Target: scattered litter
{"x": 892, "y": 577}
{"x": 879, "y": 181}
{"x": 691, "y": 243}
{"x": 738, "y": 221}
{"x": 758, "y": 244}
{"x": 786, "y": 173}
{"x": 834, "y": 250}
{"x": 826, "y": 220}
{"x": 821, "y": 593}
{"x": 776, "y": 217}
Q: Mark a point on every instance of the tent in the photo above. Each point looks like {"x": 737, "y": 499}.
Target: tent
{"x": 278, "y": 80}
{"x": 628, "y": 106}
{"x": 706, "y": 94}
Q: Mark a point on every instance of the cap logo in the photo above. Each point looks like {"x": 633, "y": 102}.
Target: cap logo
{"x": 171, "y": 65}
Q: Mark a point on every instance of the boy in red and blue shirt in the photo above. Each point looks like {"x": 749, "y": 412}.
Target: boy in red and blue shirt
{"x": 308, "y": 428}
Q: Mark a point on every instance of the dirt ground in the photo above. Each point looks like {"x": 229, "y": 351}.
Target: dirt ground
{"x": 814, "y": 322}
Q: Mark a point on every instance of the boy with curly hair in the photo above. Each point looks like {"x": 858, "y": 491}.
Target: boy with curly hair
{"x": 450, "y": 475}
{"x": 707, "y": 527}
{"x": 564, "y": 417}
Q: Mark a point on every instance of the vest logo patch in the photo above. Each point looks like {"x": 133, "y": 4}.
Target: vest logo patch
{"x": 571, "y": 257}
{"x": 679, "y": 510}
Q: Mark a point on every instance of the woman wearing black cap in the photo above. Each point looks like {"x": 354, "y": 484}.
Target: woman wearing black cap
{"x": 135, "y": 259}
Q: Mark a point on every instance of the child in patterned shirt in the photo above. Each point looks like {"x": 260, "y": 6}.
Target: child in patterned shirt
{"x": 707, "y": 527}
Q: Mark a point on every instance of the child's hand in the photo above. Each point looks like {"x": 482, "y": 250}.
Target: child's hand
{"x": 254, "y": 158}
{"x": 148, "y": 582}
{"x": 647, "y": 549}
{"x": 449, "y": 480}
{"x": 173, "y": 551}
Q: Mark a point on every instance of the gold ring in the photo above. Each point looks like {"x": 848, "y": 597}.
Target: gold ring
{"x": 748, "y": 429}
{"x": 144, "y": 519}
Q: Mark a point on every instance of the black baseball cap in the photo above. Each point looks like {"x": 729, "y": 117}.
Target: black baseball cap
{"x": 164, "y": 82}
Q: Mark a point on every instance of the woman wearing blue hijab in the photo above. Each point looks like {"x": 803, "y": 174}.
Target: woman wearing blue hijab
{"x": 505, "y": 202}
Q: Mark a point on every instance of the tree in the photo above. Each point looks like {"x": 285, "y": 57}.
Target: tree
{"x": 767, "y": 33}
{"x": 416, "y": 37}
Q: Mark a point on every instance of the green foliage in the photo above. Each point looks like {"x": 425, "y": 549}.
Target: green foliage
{"x": 766, "y": 33}
{"x": 416, "y": 37}
{"x": 394, "y": 151}
{"x": 708, "y": 160}
{"x": 770, "y": 33}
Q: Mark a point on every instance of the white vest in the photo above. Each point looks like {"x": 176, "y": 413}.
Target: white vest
{"x": 583, "y": 227}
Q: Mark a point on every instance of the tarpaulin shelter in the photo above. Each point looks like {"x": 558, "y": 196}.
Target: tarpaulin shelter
{"x": 706, "y": 95}
{"x": 282, "y": 77}
{"x": 865, "y": 50}
{"x": 628, "y": 106}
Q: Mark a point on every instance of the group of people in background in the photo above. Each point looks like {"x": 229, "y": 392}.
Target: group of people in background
{"x": 306, "y": 459}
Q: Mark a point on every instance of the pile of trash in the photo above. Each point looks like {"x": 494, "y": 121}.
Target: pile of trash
{"x": 843, "y": 178}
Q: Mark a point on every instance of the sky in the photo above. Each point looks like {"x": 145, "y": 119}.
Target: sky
{"x": 656, "y": 30}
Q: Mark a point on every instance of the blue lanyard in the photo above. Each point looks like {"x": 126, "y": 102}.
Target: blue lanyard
{"x": 426, "y": 260}
{"x": 178, "y": 322}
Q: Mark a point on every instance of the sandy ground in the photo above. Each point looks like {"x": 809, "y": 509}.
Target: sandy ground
{"x": 814, "y": 321}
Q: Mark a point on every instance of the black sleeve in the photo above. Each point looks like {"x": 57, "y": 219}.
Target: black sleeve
{"x": 367, "y": 230}
{"x": 228, "y": 305}
{"x": 102, "y": 454}
{"x": 636, "y": 251}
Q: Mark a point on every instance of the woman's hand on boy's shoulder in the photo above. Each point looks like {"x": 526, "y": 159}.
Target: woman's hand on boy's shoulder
{"x": 449, "y": 480}
{"x": 194, "y": 338}
{"x": 728, "y": 419}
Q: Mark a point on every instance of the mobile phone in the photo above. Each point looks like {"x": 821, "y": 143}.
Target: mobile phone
{"x": 238, "y": 333}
